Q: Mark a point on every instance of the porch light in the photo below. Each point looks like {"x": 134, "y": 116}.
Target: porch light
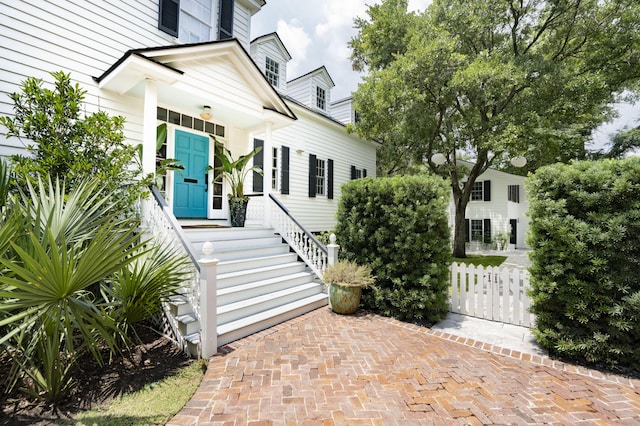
{"x": 206, "y": 113}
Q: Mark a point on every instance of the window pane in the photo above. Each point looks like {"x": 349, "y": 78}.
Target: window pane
{"x": 274, "y": 169}
{"x": 320, "y": 174}
{"x": 321, "y": 98}
{"x": 476, "y": 230}
{"x": 476, "y": 192}
{"x": 272, "y": 71}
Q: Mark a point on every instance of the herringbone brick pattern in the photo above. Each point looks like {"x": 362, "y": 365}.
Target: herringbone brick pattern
{"x": 327, "y": 369}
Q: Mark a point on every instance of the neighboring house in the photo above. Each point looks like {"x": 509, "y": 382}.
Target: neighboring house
{"x": 163, "y": 61}
{"x": 498, "y": 204}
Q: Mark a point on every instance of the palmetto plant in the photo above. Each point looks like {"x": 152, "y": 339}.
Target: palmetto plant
{"x": 63, "y": 252}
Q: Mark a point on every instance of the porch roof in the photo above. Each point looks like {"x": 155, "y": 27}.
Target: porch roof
{"x": 220, "y": 74}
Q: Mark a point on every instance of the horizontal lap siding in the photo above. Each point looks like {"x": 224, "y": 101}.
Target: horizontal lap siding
{"x": 242, "y": 24}
{"x": 326, "y": 141}
{"x": 81, "y": 37}
{"x": 259, "y": 54}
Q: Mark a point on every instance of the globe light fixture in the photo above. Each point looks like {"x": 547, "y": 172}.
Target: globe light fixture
{"x": 206, "y": 113}
{"x": 438, "y": 159}
{"x": 518, "y": 161}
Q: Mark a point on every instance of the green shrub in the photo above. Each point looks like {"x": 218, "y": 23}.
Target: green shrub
{"x": 585, "y": 236}
{"x": 398, "y": 226}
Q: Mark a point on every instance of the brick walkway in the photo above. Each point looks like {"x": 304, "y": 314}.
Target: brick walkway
{"x": 327, "y": 369}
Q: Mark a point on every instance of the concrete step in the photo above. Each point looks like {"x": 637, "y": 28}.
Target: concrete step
{"x": 258, "y": 274}
{"x": 228, "y": 266}
{"x": 238, "y": 293}
{"x": 252, "y": 324}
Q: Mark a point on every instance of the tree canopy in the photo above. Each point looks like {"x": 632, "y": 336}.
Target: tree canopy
{"x": 489, "y": 80}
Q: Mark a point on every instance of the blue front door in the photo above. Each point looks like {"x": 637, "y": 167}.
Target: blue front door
{"x": 190, "y": 188}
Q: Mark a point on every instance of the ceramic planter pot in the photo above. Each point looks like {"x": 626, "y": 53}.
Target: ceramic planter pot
{"x": 238, "y": 211}
{"x": 344, "y": 300}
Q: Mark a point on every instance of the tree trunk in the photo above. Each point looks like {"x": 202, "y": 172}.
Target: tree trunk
{"x": 460, "y": 229}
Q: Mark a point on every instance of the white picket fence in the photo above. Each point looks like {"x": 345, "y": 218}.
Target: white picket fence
{"x": 497, "y": 294}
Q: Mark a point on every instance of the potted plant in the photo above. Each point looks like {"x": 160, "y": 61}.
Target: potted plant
{"x": 346, "y": 280}
{"x": 235, "y": 172}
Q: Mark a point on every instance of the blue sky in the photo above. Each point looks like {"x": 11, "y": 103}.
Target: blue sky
{"x": 317, "y": 33}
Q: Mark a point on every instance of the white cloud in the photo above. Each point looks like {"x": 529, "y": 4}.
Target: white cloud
{"x": 296, "y": 41}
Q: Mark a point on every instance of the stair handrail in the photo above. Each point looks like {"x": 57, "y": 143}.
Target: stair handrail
{"x": 304, "y": 243}
{"x": 173, "y": 222}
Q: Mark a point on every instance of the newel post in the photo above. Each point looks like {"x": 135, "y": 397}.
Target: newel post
{"x": 208, "y": 302}
{"x": 332, "y": 249}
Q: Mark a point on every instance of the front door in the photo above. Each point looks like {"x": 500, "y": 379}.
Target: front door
{"x": 514, "y": 231}
{"x": 190, "y": 188}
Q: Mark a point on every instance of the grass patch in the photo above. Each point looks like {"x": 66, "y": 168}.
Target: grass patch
{"x": 156, "y": 404}
{"x": 481, "y": 260}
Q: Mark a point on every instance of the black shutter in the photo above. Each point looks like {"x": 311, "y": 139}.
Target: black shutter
{"x": 284, "y": 174}
{"x": 330, "y": 179}
{"x": 353, "y": 172}
{"x": 486, "y": 231}
{"x": 364, "y": 173}
{"x": 312, "y": 175}
{"x": 258, "y": 160}
{"x": 225, "y": 24}
{"x": 467, "y": 231}
{"x": 487, "y": 190}
{"x": 168, "y": 15}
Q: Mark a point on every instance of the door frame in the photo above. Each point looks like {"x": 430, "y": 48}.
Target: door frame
{"x": 221, "y": 214}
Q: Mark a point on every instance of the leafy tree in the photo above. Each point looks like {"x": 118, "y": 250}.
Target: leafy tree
{"x": 622, "y": 143}
{"x": 490, "y": 80}
{"x": 68, "y": 145}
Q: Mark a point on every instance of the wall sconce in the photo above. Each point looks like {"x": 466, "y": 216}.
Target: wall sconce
{"x": 206, "y": 113}
{"x": 299, "y": 151}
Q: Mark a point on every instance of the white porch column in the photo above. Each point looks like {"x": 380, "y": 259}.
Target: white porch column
{"x": 149, "y": 125}
{"x": 267, "y": 169}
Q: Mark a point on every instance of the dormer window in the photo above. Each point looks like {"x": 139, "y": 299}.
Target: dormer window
{"x": 321, "y": 98}
{"x": 272, "y": 72}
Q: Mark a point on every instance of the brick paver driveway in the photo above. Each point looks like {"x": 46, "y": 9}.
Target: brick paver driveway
{"x": 327, "y": 369}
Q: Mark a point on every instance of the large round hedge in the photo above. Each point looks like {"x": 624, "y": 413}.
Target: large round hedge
{"x": 585, "y": 274}
{"x": 399, "y": 227}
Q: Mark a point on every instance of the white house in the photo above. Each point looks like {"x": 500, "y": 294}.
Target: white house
{"x": 191, "y": 64}
{"x": 498, "y": 204}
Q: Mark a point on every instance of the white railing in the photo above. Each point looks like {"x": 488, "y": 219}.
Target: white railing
{"x": 163, "y": 226}
{"x": 307, "y": 246}
{"x": 497, "y": 294}
{"x": 255, "y": 209}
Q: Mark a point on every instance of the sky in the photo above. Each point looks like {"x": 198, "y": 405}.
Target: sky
{"x": 316, "y": 33}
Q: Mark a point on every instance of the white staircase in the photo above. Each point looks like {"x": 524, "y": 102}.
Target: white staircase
{"x": 260, "y": 283}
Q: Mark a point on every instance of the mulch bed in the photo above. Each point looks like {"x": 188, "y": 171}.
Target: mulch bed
{"x": 153, "y": 359}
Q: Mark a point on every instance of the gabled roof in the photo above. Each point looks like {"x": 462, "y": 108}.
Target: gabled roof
{"x": 168, "y": 64}
{"x": 276, "y": 38}
{"x": 318, "y": 71}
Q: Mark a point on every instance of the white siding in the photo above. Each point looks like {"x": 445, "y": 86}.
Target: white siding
{"x": 313, "y": 134}
{"x": 342, "y": 110}
{"x": 242, "y": 24}
{"x": 300, "y": 90}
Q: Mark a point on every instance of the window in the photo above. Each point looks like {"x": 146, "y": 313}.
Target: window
{"x": 195, "y": 20}
{"x": 225, "y": 21}
{"x": 272, "y": 72}
{"x": 321, "y": 98}
{"x": 476, "y": 192}
{"x": 513, "y": 193}
{"x": 274, "y": 170}
{"x": 320, "y": 176}
{"x": 358, "y": 173}
{"x": 476, "y": 230}
{"x": 184, "y": 120}
{"x": 481, "y": 191}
